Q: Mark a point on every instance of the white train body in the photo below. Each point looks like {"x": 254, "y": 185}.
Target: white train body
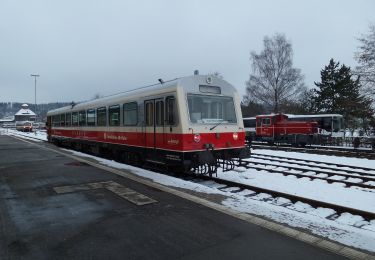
{"x": 187, "y": 122}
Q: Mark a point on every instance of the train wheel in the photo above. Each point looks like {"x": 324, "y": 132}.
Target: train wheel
{"x": 201, "y": 169}
{"x": 125, "y": 157}
{"x": 212, "y": 169}
{"x": 204, "y": 169}
{"x": 136, "y": 159}
{"x": 227, "y": 165}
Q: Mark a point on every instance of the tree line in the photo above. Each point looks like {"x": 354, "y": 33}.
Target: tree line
{"x": 276, "y": 86}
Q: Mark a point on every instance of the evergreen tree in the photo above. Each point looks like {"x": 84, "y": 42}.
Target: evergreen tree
{"x": 339, "y": 93}
{"x": 307, "y": 101}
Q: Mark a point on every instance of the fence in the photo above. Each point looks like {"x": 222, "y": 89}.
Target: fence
{"x": 356, "y": 142}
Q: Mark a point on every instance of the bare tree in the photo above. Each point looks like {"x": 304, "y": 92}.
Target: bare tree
{"x": 366, "y": 59}
{"x": 273, "y": 80}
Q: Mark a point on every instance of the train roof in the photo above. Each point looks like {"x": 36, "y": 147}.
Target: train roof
{"x": 300, "y": 116}
{"x": 316, "y": 115}
{"x": 189, "y": 84}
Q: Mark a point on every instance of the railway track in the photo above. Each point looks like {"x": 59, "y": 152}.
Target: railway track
{"x": 275, "y": 195}
{"x": 352, "y": 179}
{"x": 307, "y": 161}
{"x": 324, "y": 150}
{"x": 339, "y": 209}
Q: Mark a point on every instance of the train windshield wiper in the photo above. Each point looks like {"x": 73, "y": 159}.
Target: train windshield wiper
{"x": 222, "y": 121}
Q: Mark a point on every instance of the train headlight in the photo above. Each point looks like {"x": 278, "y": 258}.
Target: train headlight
{"x": 235, "y": 136}
{"x": 197, "y": 138}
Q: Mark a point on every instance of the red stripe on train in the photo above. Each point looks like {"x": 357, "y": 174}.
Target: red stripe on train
{"x": 167, "y": 141}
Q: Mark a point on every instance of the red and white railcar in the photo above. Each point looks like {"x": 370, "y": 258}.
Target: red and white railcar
{"x": 183, "y": 123}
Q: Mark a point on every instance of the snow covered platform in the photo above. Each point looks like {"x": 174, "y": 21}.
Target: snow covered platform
{"x": 54, "y": 206}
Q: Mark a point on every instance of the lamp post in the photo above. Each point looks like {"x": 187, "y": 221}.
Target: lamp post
{"x": 35, "y": 76}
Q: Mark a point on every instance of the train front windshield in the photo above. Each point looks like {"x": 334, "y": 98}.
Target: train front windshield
{"x": 204, "y": 109}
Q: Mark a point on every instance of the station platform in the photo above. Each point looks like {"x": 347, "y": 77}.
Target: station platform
{"x": 55, "y": 207}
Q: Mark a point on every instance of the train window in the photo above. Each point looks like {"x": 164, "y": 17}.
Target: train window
{"x": 91, "y": 117}
{"x": 49, "y": 121}
{"x": 56, "y": 120}
{"x": 68, "y": 119}
{"x": 62, "y": 119}
{"x": 266, "y": 121}
{"x": 75, "y": 119}
{"x": 211, "y": 109}
{"x": 114, "y": 115}
{"x": 170, "y": 110}
{"x": 338, "y": 124}
{"x": 217, "y": 109}
{"x": 101, "y": 116}
{"x": 130, "y": 113}
{"x": 82, "y": 118}
{"x": 149, "y": 114}
{"x": 249, "y": 122}
{"x": 327, "y": 123}
{"x": 159, "y": 113}
{"x": 209, "y": 89}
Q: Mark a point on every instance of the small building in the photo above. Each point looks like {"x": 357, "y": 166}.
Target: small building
{"x": 25, "y": 114}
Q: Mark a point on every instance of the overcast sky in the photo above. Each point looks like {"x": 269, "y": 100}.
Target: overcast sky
{"x": 82, "y": 48}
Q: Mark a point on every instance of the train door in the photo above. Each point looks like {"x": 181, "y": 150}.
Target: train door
{"x": 49, "y": 125}
{"x": 154, "y": 128}
{"x": 265, "y": 126}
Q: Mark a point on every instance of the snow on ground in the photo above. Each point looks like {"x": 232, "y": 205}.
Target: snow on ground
{"x": 346, "y": 228}
{"x": 321, "y": 158}
{"x": 39, "y": 135}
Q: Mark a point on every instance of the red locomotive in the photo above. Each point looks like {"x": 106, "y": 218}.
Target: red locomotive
{"x": 277, "y": 128}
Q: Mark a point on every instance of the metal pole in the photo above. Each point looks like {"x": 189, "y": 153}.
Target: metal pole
{"x": 35, "y": 75}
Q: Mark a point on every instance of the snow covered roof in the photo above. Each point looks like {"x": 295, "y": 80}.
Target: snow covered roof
{"x": 25, "y": 111}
